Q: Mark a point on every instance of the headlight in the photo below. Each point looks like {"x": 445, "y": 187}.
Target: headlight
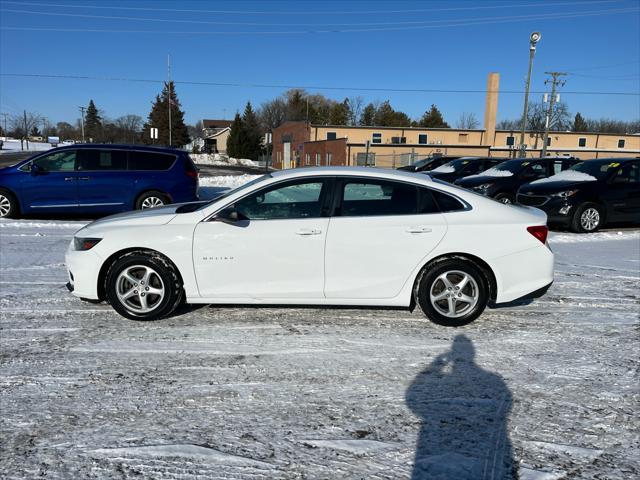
{"x": 85, "y": 243}
{"x": 565, "y": 194}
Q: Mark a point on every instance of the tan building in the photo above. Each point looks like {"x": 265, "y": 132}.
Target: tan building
{"x": 299, "y": 144}
{"x": 216, "y": 133}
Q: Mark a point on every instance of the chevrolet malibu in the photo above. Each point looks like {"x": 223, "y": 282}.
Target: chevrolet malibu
{"x": 318, "y": 236}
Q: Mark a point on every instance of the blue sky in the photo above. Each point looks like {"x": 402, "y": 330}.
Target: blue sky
{"x": 404, "y": 45}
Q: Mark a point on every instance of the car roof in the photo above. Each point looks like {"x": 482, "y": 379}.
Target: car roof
{"x": 350, "y": 171}
{"x": 120, "y": 146}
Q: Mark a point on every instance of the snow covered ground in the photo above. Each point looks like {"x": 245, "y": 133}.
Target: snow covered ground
{"x": 12, "y": 146}
{"x": 276, "y": 393}
{"x": 221, "y": 160}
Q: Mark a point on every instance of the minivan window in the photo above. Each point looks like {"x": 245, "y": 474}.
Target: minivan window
{"x": 150, "y": 161}
{"x": 102, "y": 159}
{"x": 364, "y": 198}
{"x": 64, "y": 161}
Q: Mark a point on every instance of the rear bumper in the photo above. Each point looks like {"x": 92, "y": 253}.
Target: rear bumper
{"x": 523, "y": 273}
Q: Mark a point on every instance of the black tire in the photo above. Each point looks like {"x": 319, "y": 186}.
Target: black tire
{"x": 152, "y": 196}
{"x": 454, "y": 268}
{"x": 164, "y": 277}
{"x": 9, "y": 207}
{"x": 587, "y": 218}
{"x": 505, "y": 198}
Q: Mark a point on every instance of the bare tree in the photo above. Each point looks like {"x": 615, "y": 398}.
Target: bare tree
{"x": 467, "y": 121}
{"x": 272, "y": 114}
{"x": 23, "y": 124}
{"x": 130, "y": 127}
{"x": 356, "y": 105}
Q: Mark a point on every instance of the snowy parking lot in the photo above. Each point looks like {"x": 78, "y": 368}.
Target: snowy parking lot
{"x": 548, "y": 390}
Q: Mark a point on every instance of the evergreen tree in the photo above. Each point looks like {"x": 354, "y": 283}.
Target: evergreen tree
{"x": 93, "y": 123}
{"x": 340, "y": 113}
{"x": 368, "y": 116}
{"x": 159, "y": 118}
{"x": 234, "y": 139}
{"x": 432, "y": 118}
{"x": 579, "y": 124}
{"x": 251, "y": 140}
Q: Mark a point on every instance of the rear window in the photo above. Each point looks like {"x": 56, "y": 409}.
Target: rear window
{"x": 446, "y": 202}
{"x": 150, "y": 161}
{"x": 102, "y": 159}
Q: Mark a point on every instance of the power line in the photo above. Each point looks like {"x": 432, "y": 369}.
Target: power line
{"x": 459, "y": 23}
{"x": 306, "y": 12}
{"x": 305, "y": 87}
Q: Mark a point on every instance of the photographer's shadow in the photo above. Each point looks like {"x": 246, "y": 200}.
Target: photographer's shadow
{"x": 464, "y": 411}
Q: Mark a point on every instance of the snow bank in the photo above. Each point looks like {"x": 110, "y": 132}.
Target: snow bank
{"x": 492, "y": 172}
{"x": 218, "y": 159}
{"x": 40, "y": 224}
{"x": 443, "y": 169}
{"x": 593, "y": 237}
{"x": 568, "y": 175}
{"x": 228, "y": 181}
{"x": 12, "y": 145}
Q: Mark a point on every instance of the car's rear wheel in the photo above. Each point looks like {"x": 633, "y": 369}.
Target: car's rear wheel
{"x": 151, "y": 199}
{"x": 452, "y": 292}
{"x": 587, "y": 218}
{"x": 8, "y": 204}
{"x": 505, "y": 198}
{"x": 143, "y": 286}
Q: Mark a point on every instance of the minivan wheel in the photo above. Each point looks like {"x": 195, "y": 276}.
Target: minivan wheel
{"x": 8, "y": 204}
{"x": 505, "y": 198}
{"x": 452, "y": 292}
{"x": 151, "y": 199}
{"x": 587, "y": 218}
{"x": 143, "y": 286}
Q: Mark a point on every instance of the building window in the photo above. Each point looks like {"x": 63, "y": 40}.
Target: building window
{"x": 582, "y": 142}
{"x": 307, "y": 159}
{"x": 422, "y": 138}
{"x": 511, "y": 141}
{"x": 548, "y": 141}
{"x": 376, "y": 138}
{"x": 317, "y": 159}
{"x": 331, "y": 135}
{"x": 463, "y": 137}
{"x": 398, "y": 139}
{"x": 329, "y": 155}
{"x": 621, "y": 143}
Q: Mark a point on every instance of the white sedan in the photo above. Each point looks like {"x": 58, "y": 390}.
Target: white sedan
{"x": 318, "y": 236}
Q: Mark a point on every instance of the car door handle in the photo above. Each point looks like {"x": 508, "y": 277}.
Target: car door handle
{"x": 83, "y": 178}
{"x": 68, "y": 179}
{"x": 309, "y": 231}
{"x": 418, "y": 230}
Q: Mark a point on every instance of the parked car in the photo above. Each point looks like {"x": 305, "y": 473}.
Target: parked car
{"x": 319, "y": 236}
{"x": 502, "y": 181}
{"x": 428, "y": 163}
{"x": 462, "y": 167}
{"x": 91, "y": 179}
{"x": 588, "y": 195}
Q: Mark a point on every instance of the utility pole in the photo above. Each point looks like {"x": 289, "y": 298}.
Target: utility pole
{"x": 169, "y": 85}
{"x": 533, "y": 39}
{"x": 5, "y": 115}
{"x": 555, "y": 82}
{"x": 26, "y": 131}
{"x": 82, "y": 109}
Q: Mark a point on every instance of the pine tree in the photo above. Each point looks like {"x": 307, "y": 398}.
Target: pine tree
{"x": 579, "y": 124}
{"x": 432, "y": 118}
{"x": 93, "y": 123}
{"x": 159, "y": 118}
{"x": 340, "y": 113}
{"x": 251, "y": 144}
{"x": 234, "y": 139}
{"x": 368, "y": 116}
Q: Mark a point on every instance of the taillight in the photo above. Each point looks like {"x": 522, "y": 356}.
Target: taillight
{"x": 190, "y": 170}
{"x": 539, "y": 231}
{"x": 192, "y": 174}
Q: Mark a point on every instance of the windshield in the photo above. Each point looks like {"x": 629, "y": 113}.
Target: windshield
{"x": 513, "y": 166}
{"x": 422, "y": 163}
{"x": 235, "y": 190}
{"x": 599, "y": 169}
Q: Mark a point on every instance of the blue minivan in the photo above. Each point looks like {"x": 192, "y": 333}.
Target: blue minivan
{"x": 97, "y": 179}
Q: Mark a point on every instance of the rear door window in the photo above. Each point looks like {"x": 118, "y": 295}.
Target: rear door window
{"x": 102, "y": 160}
{"x": 365, "y": 198}
{"x": 150, "y": 161}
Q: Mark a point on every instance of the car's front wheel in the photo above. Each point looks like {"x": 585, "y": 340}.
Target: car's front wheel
{"x": 8, "y": 204}
{"x": 452, "y": 292}
{"x": 505, "y": 198}
{"x": 143, "y": 286}
{"x": 587, "y": 218}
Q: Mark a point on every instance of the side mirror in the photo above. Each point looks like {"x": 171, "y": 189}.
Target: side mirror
{"x": 229, "y": 215}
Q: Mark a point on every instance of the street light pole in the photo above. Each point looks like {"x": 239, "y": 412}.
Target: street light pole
{"x": 82, "y": 109}
{"x": 533, "y": 39}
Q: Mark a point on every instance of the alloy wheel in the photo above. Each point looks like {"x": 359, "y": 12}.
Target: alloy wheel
{"x": 590, "y": 219}
{"x": 152, "y": 202}
{"x": 454, "y": 293}
{"x": 140, "y": 289}
{"x": 5, "y": 206}
{"x": 505, "y": 200}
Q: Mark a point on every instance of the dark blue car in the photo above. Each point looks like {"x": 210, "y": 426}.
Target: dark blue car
{"x": 97, "y": 179}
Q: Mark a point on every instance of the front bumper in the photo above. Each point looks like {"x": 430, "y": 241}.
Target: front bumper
{"x": 83, "y": 268}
